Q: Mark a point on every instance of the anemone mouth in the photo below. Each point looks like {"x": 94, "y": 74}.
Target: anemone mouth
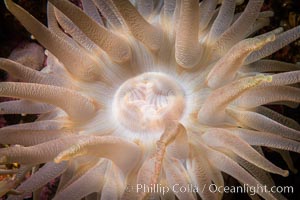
{"x": 146, "y": 102}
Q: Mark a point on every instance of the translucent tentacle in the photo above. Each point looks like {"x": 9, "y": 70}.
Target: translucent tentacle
{"x": 187, "y": 48}
{"x": 108, "y": 11}
{"x": 47, "y": 173}
{"x": 213, "y": 109}
{"x": 179, "y": 148}
{"x": 69, "y": 174}
{"x": 225, "y": 140}
{"x": 90, "y": 9}
{"x": 151, "y": 168}
{"x": 281, "y": 40}
{"x": 258, "y": 138}
{"x": 263, "y": 123}
{"x": 139, "y": 27}
{"x": 270, "y": 66}
{"x": 7, "y": 185}
{"x": 89, "y": 182}
{"x": 52, "y": 95}
{"x": 35, "y": 126}
{"x": 241, "y": 26}
{"x": 169, "y": 8}
{"x": 286, "y": 156}
{"x": 77, "y": 34}
{"x": 207, "y": 8}
{"x": 176, "y": 174}
{"x": 286, "y": 121}
{"x": 54, "y": 27}
{"x": 24, "y": 107}
{"x": 265, "y": 95}
{"x": 266, "y": 14}
{"x": 114, "y": 184}
{"x": 125, "y": 154}
{"x": 258, "y": 25}
{"x": 262, "y": 21}
{"x": 113, "y": 45}
{"x": 27, "y": 74}
{"x": 37, "y": 154}
{"x": 227, "y": 165}
{"x": 199, "y": 170}
{"x": 84, "y": 69}
{"x": 146, "y": 171}
{"x": 224, "y": 71}
{"x": 286, "y": 78}
{"x": 223, "y": 20}
{"x": 8, "y": 171}
{"x": 262, "y": 176}
{"x": 30, "y": 137}
{"x": 145, "y": 7}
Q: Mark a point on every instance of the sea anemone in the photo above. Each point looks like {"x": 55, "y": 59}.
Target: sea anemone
{"x": 149, "y": 93}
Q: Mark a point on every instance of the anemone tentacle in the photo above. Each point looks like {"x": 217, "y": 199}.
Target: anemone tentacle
{"x": 149, "y": 93}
